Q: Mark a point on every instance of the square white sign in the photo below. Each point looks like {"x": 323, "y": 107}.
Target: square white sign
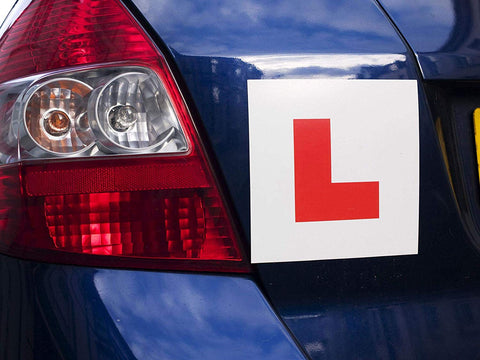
{"x": 334, "y": 169}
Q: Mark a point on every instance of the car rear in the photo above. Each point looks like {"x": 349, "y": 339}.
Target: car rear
{"x": 126, "y": 211}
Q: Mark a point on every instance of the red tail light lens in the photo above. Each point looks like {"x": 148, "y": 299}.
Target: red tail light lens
{"x": 54, "y": 34}
{"x": 102, "y": 164}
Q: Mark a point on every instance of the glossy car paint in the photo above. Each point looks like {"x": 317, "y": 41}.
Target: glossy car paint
{"x": 424, "y": 306}
{"x": 361, "y": 308}
{"x": 444, "y": 34}
{"x": 67, "y": 312}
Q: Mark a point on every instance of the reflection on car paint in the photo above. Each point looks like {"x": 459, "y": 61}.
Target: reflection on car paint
{"x": 177, "y": 316}
{"x": 337, "y": 66}
{"x": 442, "y": 327}
{"x": 236, "y": 29}
{"x": 68, "y": 312}
{"x": 444, "y": 34}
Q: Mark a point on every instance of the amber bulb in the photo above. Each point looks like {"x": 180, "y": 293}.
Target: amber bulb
{"x": 56, "y": 123}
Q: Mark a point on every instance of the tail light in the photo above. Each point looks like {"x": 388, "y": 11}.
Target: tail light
{"x": 101, "y": 163}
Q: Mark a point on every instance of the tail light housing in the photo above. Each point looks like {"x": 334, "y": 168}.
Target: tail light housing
{"x": 101, "y": 163}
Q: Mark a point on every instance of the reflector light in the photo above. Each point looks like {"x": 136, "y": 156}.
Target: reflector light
{"x": 476, "y": 129}
{"x": 102, "y": 164}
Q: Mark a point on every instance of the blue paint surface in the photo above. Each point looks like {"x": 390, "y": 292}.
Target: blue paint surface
{"x": 215, "y": 54}
{"x": 225, "y": 28}
{"x": 67, "y": 312}
{"x": 424, "y": 306}
{"x": 443, "y": 33}
{"x": 445, "y": 325}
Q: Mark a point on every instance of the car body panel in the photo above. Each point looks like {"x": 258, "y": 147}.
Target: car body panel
{"x": 444, "y": 35}
{"x": 67, "y": 312}
{"x": 424, "y": 306}
{"x": 215, "y": 56}
{"x": 444, "y": 324}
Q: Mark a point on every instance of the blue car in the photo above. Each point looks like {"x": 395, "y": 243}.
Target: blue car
{"x": 240, "y": 179}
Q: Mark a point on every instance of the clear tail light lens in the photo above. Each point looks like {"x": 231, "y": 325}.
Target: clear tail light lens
{"x": 100, "y": 162}
{"x": 50, "y": 115}
{"x": 99, "y": 111}
{"x": 133, "y": 112}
